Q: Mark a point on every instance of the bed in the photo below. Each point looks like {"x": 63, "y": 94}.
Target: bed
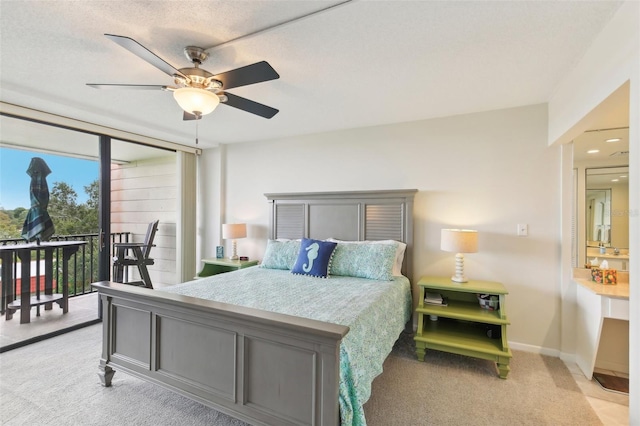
{"x": 288, "y": 365}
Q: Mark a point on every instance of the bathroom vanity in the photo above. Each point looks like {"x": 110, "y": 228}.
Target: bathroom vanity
{"x": 595, "y": 303}
{"x": 616, "y": 261}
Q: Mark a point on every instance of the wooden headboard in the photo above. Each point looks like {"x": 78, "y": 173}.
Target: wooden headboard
{"x": 349, "y": 215}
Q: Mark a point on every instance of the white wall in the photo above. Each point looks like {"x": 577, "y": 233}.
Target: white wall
{"x": 211, "y": 202}
{"x": 488, "y": 171}
{"x": 141, "y": 192}
{"x": 611, "y": 61}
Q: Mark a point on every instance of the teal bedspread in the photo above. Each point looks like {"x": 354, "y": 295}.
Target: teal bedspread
{"x": 375, "y": 312}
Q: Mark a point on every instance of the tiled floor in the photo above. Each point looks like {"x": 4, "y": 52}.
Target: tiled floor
{"x": 611, "y": 407}
{"x": 81, "y": 309}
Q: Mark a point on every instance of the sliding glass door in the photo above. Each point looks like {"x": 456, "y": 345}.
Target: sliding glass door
{"x": 143, "y": 190}
{"x": 102, "y": 190}
{"x": 49, "y": 172}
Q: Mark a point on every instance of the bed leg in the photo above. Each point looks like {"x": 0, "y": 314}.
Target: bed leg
{"x": 105, "y": 373}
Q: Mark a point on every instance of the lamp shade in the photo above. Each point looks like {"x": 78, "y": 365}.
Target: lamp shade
{"x": 231, "y": 231}
{"x": 196, "y": 101}
{"x": 459, "y": 240}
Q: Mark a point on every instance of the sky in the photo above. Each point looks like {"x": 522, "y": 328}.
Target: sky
{"x": 15, "y": 182}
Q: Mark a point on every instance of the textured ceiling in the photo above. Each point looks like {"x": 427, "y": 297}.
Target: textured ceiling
{"x": 361, "y": 63}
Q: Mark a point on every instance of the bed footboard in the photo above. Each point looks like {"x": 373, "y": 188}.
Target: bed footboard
{"x": 257, "y": 366}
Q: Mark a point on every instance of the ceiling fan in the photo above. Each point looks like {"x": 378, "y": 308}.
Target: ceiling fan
{"x": 197, "y": 91}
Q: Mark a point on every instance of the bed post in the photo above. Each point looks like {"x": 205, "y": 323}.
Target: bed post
{"x": 105, "y": 372}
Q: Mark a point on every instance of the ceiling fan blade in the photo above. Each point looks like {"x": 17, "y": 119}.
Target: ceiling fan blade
{"x": 250, "y": 74}
{"x": 128, "y": 86}
{"x": 249, "y": 106}
{"x": 142, "y": 52}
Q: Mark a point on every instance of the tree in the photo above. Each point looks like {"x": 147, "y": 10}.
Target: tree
{"x": 19, "y": 214}
{"x": 7, "y": 228}
{"x": 63, "y": 208}
{"x": 11, "y": 222}
{"x": 68, "y": 216}
{"x": 71, "y": 218}
{"x": 93, "y": 191}
{"x": 89, "y": 210}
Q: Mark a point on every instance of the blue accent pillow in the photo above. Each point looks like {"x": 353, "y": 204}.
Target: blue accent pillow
{"x": 314, "y": 258}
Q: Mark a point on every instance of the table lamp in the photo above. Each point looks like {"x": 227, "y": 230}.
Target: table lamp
{"x": 459, "y": 241}
{"x": 233, "y": 231}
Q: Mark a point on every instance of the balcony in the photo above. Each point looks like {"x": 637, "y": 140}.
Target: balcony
{"x": 82, "y": 302}
{"x": 146, "y": 183}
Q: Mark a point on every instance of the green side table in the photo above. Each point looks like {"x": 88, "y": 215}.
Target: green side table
{"x": 220, "y": 266}
{"x": 462, "y": 326}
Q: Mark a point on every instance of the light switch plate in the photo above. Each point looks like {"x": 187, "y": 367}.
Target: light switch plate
{"x": 523, "y": 230}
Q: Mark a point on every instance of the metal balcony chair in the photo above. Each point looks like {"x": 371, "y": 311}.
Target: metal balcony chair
{"x": 135, "y": 254}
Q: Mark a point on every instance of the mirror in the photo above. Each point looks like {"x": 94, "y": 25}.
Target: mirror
{"x": 607, "y": 207}
{"x": 598, "y": 220}
{"x": 601, "y": 218}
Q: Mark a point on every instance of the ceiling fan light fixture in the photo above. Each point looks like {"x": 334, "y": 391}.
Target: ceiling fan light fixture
{"x": 196, "y": 101}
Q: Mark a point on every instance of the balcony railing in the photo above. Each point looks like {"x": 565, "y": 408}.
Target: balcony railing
{"x": 83, "y": 265}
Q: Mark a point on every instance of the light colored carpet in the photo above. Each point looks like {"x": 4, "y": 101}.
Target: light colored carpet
{"x": 450, "y": 389}
{"x": 54, "y": 382}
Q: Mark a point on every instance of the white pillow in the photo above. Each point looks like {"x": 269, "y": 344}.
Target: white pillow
{"x": 397, "y": 266}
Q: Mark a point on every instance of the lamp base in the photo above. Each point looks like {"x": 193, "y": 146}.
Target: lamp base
{"x": 234, "y": 250}
{"x": 459, "y": 279}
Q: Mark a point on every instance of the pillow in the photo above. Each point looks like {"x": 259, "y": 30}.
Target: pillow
{"x": 372, "y": 261}
{"x": 399, "y": 258}
{"x": 280, "y": 254}
{"x": 314, "y": 258}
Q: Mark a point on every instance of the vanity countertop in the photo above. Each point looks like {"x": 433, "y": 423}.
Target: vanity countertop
{"x": 609, "y": 256}
{"x": 616, "y": 291}
{"x": 594, "y": 252}
{"x": 620, "y": 290}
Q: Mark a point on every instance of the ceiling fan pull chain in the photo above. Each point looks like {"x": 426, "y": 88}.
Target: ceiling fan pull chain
{"x": 197, "y": 132}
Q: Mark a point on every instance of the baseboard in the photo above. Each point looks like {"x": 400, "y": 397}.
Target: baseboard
{"x": 612, "y": 366}
{"x": 564, "y": 356}
{"x": 534, "y": 349}
{"x": 568, "y": 357}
